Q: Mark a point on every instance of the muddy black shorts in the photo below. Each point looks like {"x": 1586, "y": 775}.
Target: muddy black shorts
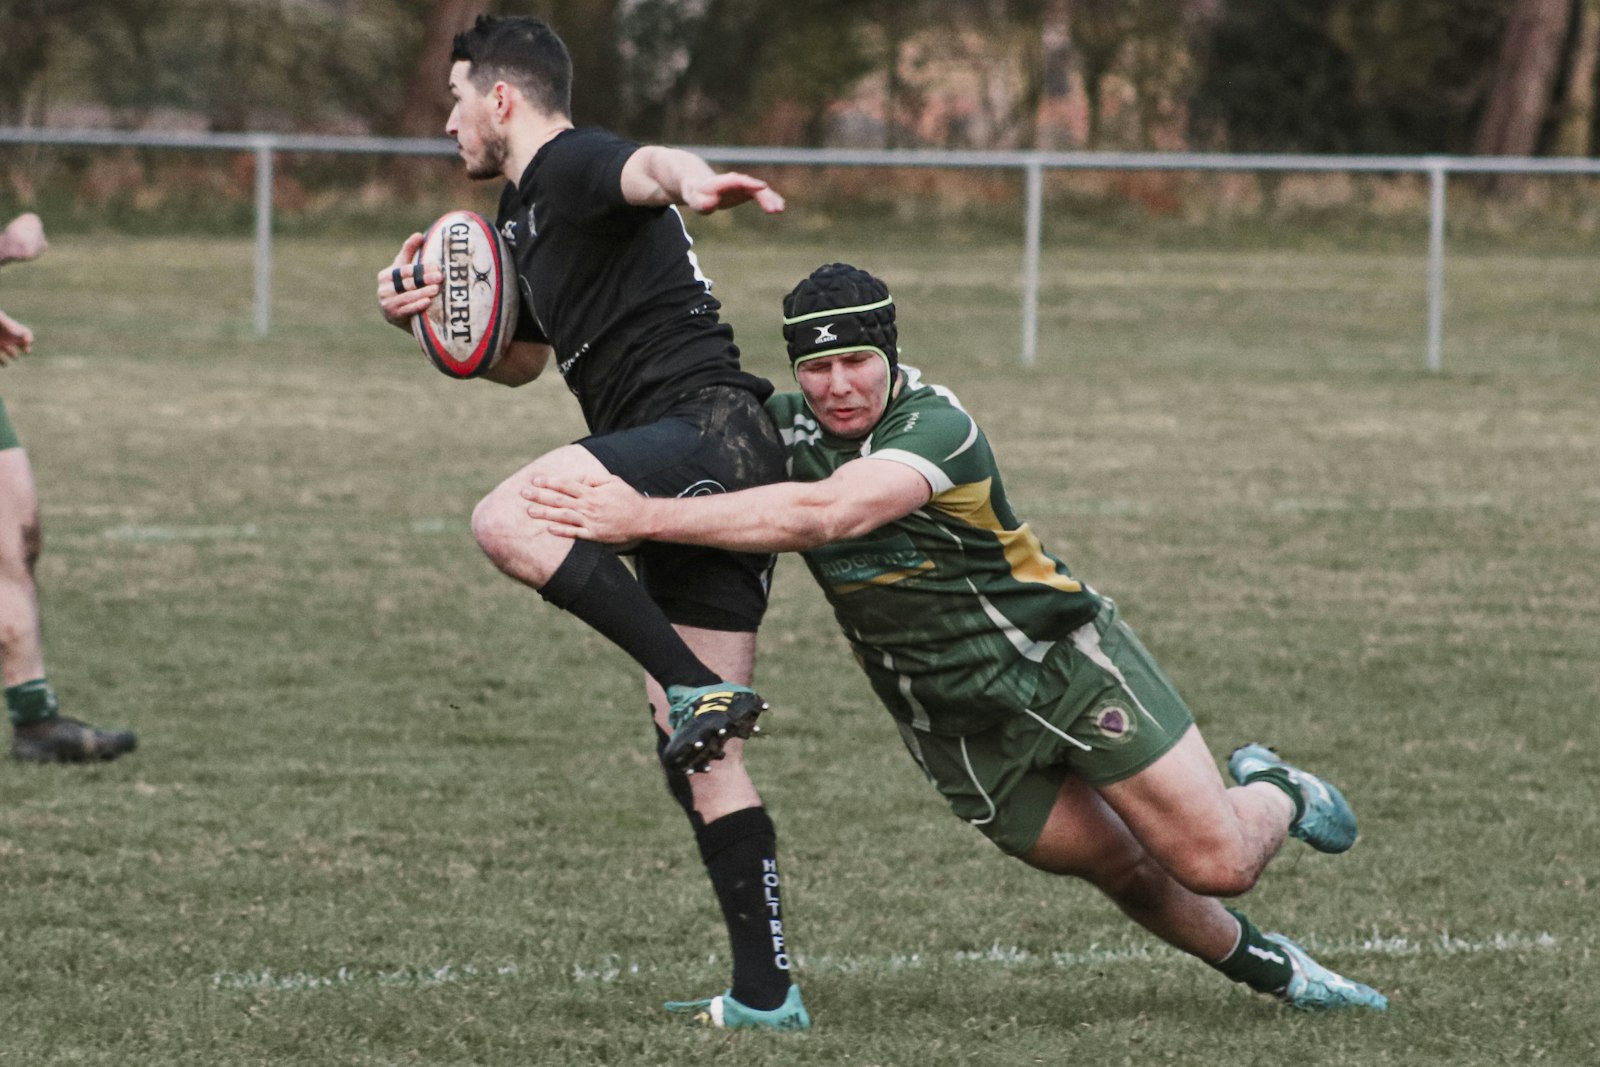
{"x": 718, "y": 440}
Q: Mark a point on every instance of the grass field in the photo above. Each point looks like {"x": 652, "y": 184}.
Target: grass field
{"x": 391, "y": 809}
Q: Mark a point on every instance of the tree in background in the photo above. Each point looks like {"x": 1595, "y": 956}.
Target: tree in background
{"x": 1523, "y": 80}
{"x": 229, "y": 64}
{"x": 1575, "y": 133}
{"x": 1365, "y": 75}
{"x": 1145, "y": 46}
{"x": 426, "y": 101}
{"x": 30, "y": 31}
{"x": 1417, "y": 69}
{"x": 1099, "y": 30}
{"x": 707, "y": 71}
{"x": 1455, "y": 76}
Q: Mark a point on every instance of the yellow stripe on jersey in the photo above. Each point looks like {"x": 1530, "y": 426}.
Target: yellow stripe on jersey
{"x": 972, "y": 504}
{"x": 886, "y": 578}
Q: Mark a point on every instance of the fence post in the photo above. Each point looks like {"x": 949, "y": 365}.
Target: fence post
{"x": 263, "y": 149}
{"x": 1436, "y": 176}
{"x": 1030, "y": 262}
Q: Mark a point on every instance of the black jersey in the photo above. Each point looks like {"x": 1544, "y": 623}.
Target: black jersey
{"x": 615, "y": 289}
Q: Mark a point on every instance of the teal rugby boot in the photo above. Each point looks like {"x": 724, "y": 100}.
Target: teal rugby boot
{"x": 703, "y": 719}
{"x": 1326, "y": 822}
{"x": 725, "y": 1013}
{"x": 1315, "y": 988}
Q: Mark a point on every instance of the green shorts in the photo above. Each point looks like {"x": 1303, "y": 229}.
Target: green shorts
{"x": 8, "y": 433}
{"x": 1103, "y": 711}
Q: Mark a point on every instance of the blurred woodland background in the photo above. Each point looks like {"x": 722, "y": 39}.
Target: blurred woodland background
{"x": 1489, "y": 77}
{"x": 1509, "y": 77}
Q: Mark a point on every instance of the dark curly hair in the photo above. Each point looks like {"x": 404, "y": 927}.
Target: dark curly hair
{"x": 522, "y": 51}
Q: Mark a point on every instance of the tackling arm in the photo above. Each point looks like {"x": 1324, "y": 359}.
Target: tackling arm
{"x": 861, "y": 496}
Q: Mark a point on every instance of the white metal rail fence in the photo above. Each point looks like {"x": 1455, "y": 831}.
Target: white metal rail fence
{"x": 1031, "y": 164}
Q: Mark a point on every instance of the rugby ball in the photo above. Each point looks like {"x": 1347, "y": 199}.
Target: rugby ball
{"x": 469, "y": 325}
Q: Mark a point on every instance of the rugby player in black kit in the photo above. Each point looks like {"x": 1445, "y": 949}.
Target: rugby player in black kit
{"x": 612, "y": 292}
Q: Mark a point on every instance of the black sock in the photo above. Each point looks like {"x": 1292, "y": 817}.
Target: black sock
{"x": 1255, "y": 961}
{"x": 593, "y": 584}
{"x": 741, "y": 855}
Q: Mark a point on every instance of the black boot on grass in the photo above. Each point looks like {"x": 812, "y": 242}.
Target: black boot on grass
{"x": 59, "y": 739}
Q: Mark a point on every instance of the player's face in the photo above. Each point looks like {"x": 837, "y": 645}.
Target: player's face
{"x": 481, "y": 144}
{"x": 846, "y": 391}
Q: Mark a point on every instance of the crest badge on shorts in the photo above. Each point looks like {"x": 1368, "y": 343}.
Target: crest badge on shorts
{"x": 1115, "y": 722}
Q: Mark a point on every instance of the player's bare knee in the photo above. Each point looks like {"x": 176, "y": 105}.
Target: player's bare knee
{"x": 487, "y": 529}
{"x": 503, "y": 530}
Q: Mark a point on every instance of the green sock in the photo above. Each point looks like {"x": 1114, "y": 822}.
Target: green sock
{"x": 1279, "y": 777}
{"x": 1255, "y": 961}
{"x": 31, "y": 702}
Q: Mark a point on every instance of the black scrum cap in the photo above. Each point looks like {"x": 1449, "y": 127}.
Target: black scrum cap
{"x": 839, "y": 308}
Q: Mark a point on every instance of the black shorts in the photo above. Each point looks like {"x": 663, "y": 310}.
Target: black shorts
{"x": 717, "y": 440}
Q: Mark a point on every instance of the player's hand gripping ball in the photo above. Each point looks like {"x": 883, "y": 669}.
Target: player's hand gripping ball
{"x": 469, "y": 325}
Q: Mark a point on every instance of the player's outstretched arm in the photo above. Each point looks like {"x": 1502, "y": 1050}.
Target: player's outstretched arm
{"x": 656, "y": 176}
{"x": 861, "y": 496}
{"x": 402, "y": 292}
{"x": 15, "y": 339}
{"x": 23, "y": 238}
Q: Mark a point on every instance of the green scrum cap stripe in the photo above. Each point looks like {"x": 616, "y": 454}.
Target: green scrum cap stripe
{"x": 885, "y": 302}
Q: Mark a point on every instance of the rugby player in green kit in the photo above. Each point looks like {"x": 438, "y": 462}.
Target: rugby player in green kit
{"x": 39, "y": 732}
{"x": 1030, "y": 705}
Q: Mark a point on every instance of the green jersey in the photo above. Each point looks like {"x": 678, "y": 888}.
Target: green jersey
{"x": 950, "y": 609}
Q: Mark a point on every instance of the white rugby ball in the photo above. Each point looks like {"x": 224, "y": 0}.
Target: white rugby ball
{"x": 468, "y": 326}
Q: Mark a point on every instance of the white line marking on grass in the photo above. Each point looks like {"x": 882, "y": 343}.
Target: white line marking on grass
{"x": 1110, "y": 507}
{"x": 1113, "y": 507}
{"x": 448, "y": 974}
{"x": 1097, "y": 955}
{"x": 247, "y": 532}
{"x": 251, "y": 531}
{"x": 1439, "y": 502}
{"x": 1103, "y": 955}
{"x": 612, "y": 968}
{"x": 609, "y": 971}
